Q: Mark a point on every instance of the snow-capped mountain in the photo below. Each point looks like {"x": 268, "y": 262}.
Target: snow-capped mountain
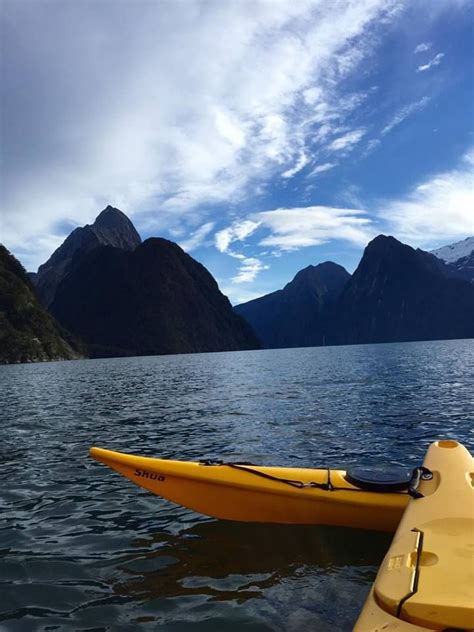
{"x": 454, "y": 252}
{"x": 459, "y": 257}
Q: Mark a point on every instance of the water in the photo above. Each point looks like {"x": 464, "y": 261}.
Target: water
{"x": 83, "y": 549}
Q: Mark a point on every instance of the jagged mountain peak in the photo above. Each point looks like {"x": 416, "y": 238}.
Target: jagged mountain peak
{"x": 111, "y": 228}
{"x": 111, "y": 216}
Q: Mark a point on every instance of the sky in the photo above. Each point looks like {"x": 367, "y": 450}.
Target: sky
{"x": 262, "y": 136}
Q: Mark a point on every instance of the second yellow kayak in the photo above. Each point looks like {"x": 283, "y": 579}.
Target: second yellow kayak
{"x": 262, "y": 494}
{"x": 426, "y": 581}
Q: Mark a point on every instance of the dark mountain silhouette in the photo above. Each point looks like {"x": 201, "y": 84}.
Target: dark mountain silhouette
{"x": 398, "y": 293}
{"x": 27, "y": 332}
{"x": 111, "y": 227}
{"x": 155, "y": 299}
{"x": 297, "y": 315}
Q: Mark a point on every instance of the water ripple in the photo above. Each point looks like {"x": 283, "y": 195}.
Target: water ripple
{"x": 81, "y": 548}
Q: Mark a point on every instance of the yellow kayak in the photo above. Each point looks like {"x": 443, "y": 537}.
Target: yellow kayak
{"x": 282, "y": 495}
{"x": 426, "y": 581}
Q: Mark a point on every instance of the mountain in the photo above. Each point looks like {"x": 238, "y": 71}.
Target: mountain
{"x": 459, "y": 258}
{"x": 398, "y": 293}
{"x": 27, "y": 331}
{"x": 154, "y": 299}
{"x": 111, "y": 227}
{"x": 298, "y": 315}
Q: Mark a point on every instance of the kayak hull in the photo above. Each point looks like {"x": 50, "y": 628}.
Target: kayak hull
{"x": 253, "y": 494}
{"x": 426, "y": 580}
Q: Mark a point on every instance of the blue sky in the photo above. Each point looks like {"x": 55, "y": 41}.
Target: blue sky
{"x": 261, "y": 136}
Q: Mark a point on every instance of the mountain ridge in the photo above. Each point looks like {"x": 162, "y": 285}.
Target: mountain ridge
{"x": 396, "y": 294}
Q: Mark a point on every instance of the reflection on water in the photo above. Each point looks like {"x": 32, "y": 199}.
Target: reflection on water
{"x": 216, "y": 556}
{"x": 82, "y": 548}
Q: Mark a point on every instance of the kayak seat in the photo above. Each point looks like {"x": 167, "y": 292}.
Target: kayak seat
{"x": 390, "y": 479}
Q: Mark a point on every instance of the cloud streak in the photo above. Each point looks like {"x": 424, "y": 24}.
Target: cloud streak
{"x": 322, "y": 168}
{"x": 347, "y": 141}
{"x": 433, "y": 62}
{"x": 404, "y": 113}
{"x": 197, "y": 237}
{"x": 423, "y": 47}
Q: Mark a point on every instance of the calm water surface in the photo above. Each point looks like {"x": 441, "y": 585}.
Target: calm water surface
{"x": 83, "y": 549}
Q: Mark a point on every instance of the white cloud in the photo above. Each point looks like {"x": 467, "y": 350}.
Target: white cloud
{"x": 238, "y": 231}
{"x": 249, "y": 266}
{"x": 248, "y": 270}
{"x": 293, "y": 228}
{"x": 230, "y": 128}
{"x": 197, "y": 237}
{"x": 436, "y": 210}
{"x": 300, "y": 164}
{"x": 433, "y": 62}
{"x": 404, "y": 113}
{"x": 371, "y": 146}
{"x": 424, "y": 46}
{"x": 158, "y": 113}
{"x": 347, "y": 141}
{"x": 322, "y": 168}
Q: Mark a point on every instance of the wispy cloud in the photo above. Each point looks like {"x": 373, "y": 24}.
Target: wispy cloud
{"x": 436, "y": 210}
{"x": 424, "y": 46}
{"x": 197, "y": 238}
{"x": 248, "y": 270}
{"x": 300, "y": 164}
{"x": 404, "y": 113}
{"x": 433, "y": 62}
{"x": 347, "y": 141}
{"x": 322, "y": 168}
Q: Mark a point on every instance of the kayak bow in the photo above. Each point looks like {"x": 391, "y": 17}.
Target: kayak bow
{"x": 426, "y": 581}
{"x": 262, "y": 494}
